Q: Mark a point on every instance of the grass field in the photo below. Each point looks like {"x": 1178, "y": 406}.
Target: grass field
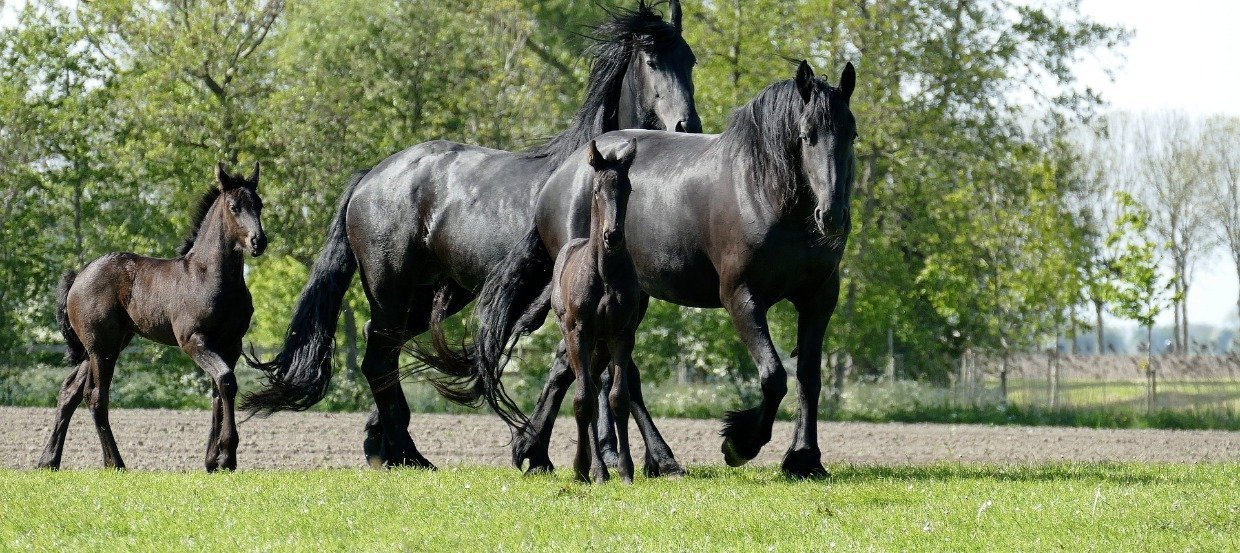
{"x": 947, "y": 507}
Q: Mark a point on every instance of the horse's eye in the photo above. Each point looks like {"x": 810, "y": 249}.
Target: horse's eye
{"x": 233, "y": 208}
{"x": 651, "y": 64}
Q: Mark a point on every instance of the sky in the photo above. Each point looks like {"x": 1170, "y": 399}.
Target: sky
{"x": 1183, "y": 56}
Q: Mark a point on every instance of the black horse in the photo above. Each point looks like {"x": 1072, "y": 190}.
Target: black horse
{"x": 434, "y": 220}
{"x": 740, "y": 220}
{"x": 197, "y": 302}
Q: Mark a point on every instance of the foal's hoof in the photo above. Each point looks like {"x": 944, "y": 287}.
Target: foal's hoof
{"x": 730, "y": 454}
{"x": 804, "y": 464}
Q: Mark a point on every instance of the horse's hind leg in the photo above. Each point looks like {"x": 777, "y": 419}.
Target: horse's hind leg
{"x": 70, "y": 396}
{"x": 533, "y": 445}
{"x": 213, "y": 437}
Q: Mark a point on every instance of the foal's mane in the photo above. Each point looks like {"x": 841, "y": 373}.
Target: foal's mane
{"x": 765, "y": 132}
{"x": 612, "y": 46}
{"x": 200, "y": 214}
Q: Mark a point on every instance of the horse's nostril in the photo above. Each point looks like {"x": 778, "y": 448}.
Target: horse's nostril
{"x": 680, "y": 126}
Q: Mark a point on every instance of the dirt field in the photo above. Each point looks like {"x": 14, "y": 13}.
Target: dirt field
{"x": 174, "y": 440}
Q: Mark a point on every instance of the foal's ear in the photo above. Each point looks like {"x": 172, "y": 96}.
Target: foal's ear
{"x": 252, "y": 180}
{"x": 848, "y": 80}
{"x": 805, "y": 80}
{"x": 222, "y": 179}
{"x": 628, "y": 153}
{"x": 595, "y": 158}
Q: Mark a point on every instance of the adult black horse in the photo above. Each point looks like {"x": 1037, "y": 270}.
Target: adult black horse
{"x": 740, "y": 220}
{"x": 431, "y": 222}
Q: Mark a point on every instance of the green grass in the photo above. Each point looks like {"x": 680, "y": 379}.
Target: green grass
{"x": 1074, "y": 507}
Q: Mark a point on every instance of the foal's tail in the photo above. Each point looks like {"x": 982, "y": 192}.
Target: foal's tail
{"x": 298, "y": 376}
{"x": 75, "y": 352}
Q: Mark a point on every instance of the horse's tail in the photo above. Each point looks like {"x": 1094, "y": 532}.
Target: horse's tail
{"x": 513, "y": 302}
{"x": 75, "y": 352}
{"x": 298, "y": 376}
{"x": 455, "y": 363}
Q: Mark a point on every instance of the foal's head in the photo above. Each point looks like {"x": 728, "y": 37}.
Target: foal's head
{"x": 240, "y": 210}
{"x": 610, "y": 189}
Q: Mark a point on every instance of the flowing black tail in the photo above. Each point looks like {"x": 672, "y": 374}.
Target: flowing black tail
{"x": 75, "y": 352}
{"x": 513, "y": 302}
{"x": 298, "y": 376}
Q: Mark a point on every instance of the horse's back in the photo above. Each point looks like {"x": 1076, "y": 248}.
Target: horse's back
{"x": 443, "y": 207}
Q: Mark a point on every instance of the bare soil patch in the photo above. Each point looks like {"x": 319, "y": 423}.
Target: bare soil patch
{"x": 157, "y": 439}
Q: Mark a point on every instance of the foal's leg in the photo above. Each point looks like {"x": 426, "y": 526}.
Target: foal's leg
{"x": 218, "y": 363}
{"x": 213, "y": 437}
{"x": 804, "y": 459}
{"x": 103, "y": 365}
{"x": 70, "y": 396}
{"x": 606, "y": 423}
{"x": 533, "y": 445}
{"x": 619, "y": 399}
{"x": 583, "y": 403}
{"x": 746, "y": 431}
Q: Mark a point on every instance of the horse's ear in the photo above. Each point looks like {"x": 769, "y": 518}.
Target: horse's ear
{"x": 805, "y": 80}
{"x": 630, "y": 152}
{"x": 848, "y": 80}
{"x": 222, "y": 179}
{"x": 676, "y": 15}
{"x": 252, "y": 180}
{"x": 595, "y": 158}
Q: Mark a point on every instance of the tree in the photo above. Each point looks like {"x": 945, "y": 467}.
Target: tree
{"x": 1223, "y": 140}
{"x": 1175, "y": 175}
{"x": 1141, "y": 294}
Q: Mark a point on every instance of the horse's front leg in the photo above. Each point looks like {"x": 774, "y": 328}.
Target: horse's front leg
{"x": 804, "y": 459}
{"x": 746, "y": 431}
{"x": 218, "y": 363}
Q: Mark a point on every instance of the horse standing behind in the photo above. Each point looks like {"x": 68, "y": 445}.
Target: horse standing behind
{"x": 197, "y": 302}
{"x": 597, "y": 303}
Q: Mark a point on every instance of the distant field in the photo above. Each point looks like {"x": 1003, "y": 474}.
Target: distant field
{"x": 1077, "y": 507}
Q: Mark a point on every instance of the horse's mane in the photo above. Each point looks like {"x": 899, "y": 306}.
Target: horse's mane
{"x": 204, "y": 207}
{"x": 612, "y": 45}
{"x": 765, "y": 132}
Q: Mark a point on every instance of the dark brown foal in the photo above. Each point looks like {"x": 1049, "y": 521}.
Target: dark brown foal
{"x": 197, "y": 302}
{"x": 598, "y": 305}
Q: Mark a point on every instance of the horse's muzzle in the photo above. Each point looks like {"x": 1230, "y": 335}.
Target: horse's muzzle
{"x": 258, "y": 245}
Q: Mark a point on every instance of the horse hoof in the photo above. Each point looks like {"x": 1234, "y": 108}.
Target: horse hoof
{"x": 539, "y": 470}
{"x": 804, "y": 465}
{"x": 611, "y": 458}
{"x": 730, "y": 455}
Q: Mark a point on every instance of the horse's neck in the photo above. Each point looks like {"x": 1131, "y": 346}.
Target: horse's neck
{"x": 215, "y": 250}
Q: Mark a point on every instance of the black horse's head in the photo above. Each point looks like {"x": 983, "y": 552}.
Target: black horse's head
{"x": 827, "y": 131}
{"x": 242, "y": 209}
{"x": 657, "y": 89}
{"x": 610, "y": 189}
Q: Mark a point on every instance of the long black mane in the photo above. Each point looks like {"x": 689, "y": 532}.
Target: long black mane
{"x": 613, "y": 44}
{"x": 765, "y": 132}
{"x": 204, "y": 207}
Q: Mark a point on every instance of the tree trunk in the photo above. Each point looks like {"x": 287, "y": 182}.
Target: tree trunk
{"x": 1184, "y": 320}
{"x": 1098, "y": 328}
{"x": 1003, "y": 373}
{"x": 1149, "y": 370}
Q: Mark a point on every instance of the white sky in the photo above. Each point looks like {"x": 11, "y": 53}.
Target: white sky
{"x": 1184, "y": 55}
